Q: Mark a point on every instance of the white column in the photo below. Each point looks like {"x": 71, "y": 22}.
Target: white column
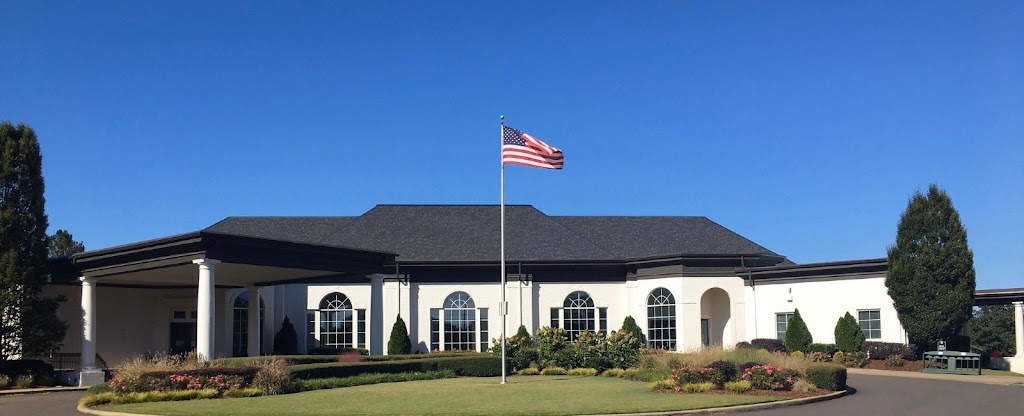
{"x": 376, "y": 315}
{"x": 88, "y": 358}
{"x": 205, "y": 325}
{"x": 1018, "y": 324}
{"x": 254, "y": 321}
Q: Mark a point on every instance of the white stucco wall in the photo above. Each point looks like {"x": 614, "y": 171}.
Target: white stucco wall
{"x": 822, "y": 303}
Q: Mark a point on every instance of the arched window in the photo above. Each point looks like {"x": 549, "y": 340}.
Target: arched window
{"x": 458, "y": 325}
{"x": 240, "y": 324}
{"x": 336, "y": 321}
{"x": 661, "y": 319}
{"x": 459, "y": 322}
{"x": 579, "y": 314}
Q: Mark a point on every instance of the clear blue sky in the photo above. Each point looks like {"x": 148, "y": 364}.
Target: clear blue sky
{"x": 804, "y": 126}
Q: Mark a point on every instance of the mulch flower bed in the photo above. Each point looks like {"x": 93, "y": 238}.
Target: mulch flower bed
{"x": 777, "y": 393}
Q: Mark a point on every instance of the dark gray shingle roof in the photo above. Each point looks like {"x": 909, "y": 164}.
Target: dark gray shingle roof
{"x": 639, "y": 237}
{"x": 467, "y": 233}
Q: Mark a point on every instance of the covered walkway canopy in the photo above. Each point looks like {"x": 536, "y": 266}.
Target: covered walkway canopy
{"x": 207, "y": 260}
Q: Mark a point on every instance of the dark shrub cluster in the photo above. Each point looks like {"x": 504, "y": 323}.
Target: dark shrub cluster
{"x": 827, "y": 376}
{"x": 882, "y": 350}
{"x": 39, "y": 371}
{"x": 721, "y": 372}
{"x": 825, "y": 349}
{"x": 744, "y": 345}
{"x": 770, "y": 344}
{"x": 478, "y": 365}
{"x": 336, "y": 351}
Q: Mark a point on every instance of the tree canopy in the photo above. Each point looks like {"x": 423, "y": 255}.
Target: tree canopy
{"x": 931, "y": 269}
{"x": 992, "y": 329}
{"x": 63, "y": 244}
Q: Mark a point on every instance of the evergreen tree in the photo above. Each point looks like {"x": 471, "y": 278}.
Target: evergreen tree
{"x": 629, "y": 325}
{"x": 28, "y": 322}
{"x": 931, "y": 269}
{"x": 849, "y": 336}
{"x": 399, "y": 342}
{"x": 62, "y": 244}
{"x": 798, "y": 337}
{"x": 992, "y": 329}
{"x": 286, "y": 340}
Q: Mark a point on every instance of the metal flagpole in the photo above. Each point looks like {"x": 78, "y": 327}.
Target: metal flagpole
{"x": 503, "y": 308}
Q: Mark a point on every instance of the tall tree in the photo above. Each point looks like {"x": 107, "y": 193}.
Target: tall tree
{"x": 992, "y": 329}
{"x": 63, "y": 244}
{"x": 28, "y": 322}
{"x": 931, "y": 269}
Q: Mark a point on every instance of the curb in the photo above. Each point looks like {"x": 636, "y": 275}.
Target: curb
{"x": 710, "y": 411}
{"x": 88, "y": 411}
{"x": 16, "y": 392}
{"x": 740, "y": 408}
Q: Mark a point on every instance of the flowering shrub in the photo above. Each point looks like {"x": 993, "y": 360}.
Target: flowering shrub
{"x": 690, "y": 375}
{"x": 217, "y": 379}
{"x": 769, "y": 377}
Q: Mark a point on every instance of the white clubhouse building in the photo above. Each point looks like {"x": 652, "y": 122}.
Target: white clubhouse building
{"x": 342, "y": 281}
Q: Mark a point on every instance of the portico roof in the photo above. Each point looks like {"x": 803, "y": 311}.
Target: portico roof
{"x": 245, "y": 260}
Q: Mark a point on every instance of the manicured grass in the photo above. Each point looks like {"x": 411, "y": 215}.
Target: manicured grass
{"x": 526, "y": 395}
{"x": 989, "y": 372}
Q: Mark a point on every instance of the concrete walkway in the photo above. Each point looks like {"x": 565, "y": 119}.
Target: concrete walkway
{"x": 982, "y": 379}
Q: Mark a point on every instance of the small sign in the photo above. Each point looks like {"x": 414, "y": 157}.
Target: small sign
{"x": 942, "y": 346}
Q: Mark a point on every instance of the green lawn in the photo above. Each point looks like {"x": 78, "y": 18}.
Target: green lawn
{"x": 524, "y": 395}
{"x": 990, "y": 372}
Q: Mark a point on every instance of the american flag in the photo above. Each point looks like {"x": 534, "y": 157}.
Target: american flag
{"x": 519, "y": 148}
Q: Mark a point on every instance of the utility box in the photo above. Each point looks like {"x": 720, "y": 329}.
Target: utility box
{"x": 951, "y": 362}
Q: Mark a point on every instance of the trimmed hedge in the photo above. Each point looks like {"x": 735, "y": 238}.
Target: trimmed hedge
{"x": 770, "y": 344}
{"x": 15, "y": 368}
{"x": 477, "y": 365}
{"x": 323, "y": 359}
{"x": 827, "y": 349}
{"x": 882, "y": 350}
{"x": 827, "y": 376}
{"x": 336, "y": 351}
{"x": 364, "y": 379}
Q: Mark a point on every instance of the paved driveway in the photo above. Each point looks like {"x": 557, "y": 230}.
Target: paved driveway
{"x": 875, "y": 396}
{"x": 40, "y": 404}
{"x": 882, "y": 396}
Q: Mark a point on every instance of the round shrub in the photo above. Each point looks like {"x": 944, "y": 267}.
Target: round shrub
{"x": 895, "y": 361}
{"x": 827, "y": 376}
{"x": 697, "y": 387}
{"x": 744, "y": 345}
{"x": 529, "y": 371}
{"x": 769, "y": 344}
{"x": 613, "y": 372}
{"x": 589, "y": 372}
{"x": 5, "y": 381}
{"x": 741, "y": 386}
{"x": 553, "y": 371}
{"x": 662, "y": 385}
{"x": 839, "y": 358}
{"x": 797, "y": 354}
{"x": 23, "y": 382}
{"x": 720, "y": 372}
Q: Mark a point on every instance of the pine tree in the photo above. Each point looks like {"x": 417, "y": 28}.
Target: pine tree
{"x": 63, "y": 244}
{"x": 629, "y": 325}
{"x": 849, "y": 336}
{"x": 931, "y": 269}
{"x": 286, "y": 340}
{"x": 399, "y": 342}
{"x": 798, "y": 337}
{"x": 28, "y": 322}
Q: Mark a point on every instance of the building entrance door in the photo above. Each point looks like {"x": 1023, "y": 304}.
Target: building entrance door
{"x": 183, "y": 337}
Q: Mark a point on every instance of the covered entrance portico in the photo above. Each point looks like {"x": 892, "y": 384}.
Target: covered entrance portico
{"x": 194, "y": 270}
{"x": 1014, "y": 297}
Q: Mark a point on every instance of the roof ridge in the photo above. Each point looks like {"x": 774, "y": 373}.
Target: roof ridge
{"x": 631, "y": 216}
{"x": 454, "y": 205}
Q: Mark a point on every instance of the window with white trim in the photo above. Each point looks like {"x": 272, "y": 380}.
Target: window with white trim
{"x": 781, "y": 322}
{"x": 661, "y": 319}
{"x": 337, "y": 324}
{"x": 459, "y": 325}
{"x": 870, "y": 323}
{"x": 579, "y": 314}
{"x": 240, "y": 324}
